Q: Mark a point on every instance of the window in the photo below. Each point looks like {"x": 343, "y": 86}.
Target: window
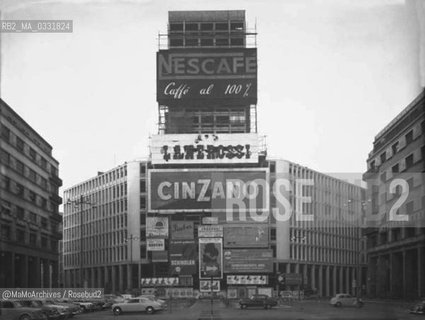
{"x": 32, "y": 196}
{"x": 19, "y": 189}
{"x": 206, "y": 26}
{"x": 176, "y": 26}
{"x": 142, "y": 186}
{"x": 394, "y": 147}
{"x": 223, "y": 26}
{"x": 176, "y": 42}
{"x": 33, "y": 239}
{"x": 33, "y": 217}
{"x": 383, "y": 157}
{"x": 409, "y": 161}
{"x": 192, "y": 27}
{"x": 238, "y": 26}
{"x": 208, "y": 42}
{"x": 222, "y": 42}
{"x": 273, "y": 234}
{"x": 395, "y": 168}
{"x": 20, "y": 167}
{"x": 43, "y": 242}
{"x": 236, "y": 41}
{"x": 423, "y": 127}
{"x": 4, "y": 157}
{"x": 409, "y": 137}
{"x": 43, "y": 163}
{"x": 142, "y": 202}
{"x": 33, "y": 154}
{"x": 32, "y": 175}
{"x": 20, "y": 235}
{"x": 409, "y": 207}
{"x": 372, "y": 165}
{"x": 19, "y": 144}
{"x": 5, "y": 133}
{"x": 191, "y": 42}
{"x": 5, "y": 232}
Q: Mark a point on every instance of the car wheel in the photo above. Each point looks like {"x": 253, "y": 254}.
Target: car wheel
{"x": 243, "y": 306}
{"x": 25, "y": 317}
{"x": 266, "y": 306}
{"x": 338, "y": 304}
{"x": 117, "y": 311}
{"x": 150, "y": 310}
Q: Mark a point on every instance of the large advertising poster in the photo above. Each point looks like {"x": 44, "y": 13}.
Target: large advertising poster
{"x": 182, "y": 230}
{"x": 205, "y": 148}
{"x": 201, "y": 75}
{"x": 248, "y": 260}
{"x": 157, "y": 227}
{"x": 183, "y": 257}
{"x": 210, "y": 258}
{"x": 180, "y": 190}
{"x": 248, "y": 235}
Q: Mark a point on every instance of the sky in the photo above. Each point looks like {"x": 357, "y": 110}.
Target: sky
{"x": 331, "y": 75}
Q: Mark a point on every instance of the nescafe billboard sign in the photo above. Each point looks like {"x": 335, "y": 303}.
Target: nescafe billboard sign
{"x": 203, "y": 74}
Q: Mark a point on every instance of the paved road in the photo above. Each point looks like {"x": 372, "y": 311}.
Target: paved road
{"x": 296, "y": 311}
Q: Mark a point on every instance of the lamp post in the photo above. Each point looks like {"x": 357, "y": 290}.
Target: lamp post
{"x": 130, "y": 239}
{"x": 80, "y": 202}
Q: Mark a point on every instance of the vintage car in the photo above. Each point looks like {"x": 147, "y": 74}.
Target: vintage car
{"x": 258, "y": 300}
{"x": 140, "y": 304}
{"x": 345, "y": 299}
{"x": 53, "y": 312}
{"x": 12, "y": 310}
{"x": 418, "y": 308}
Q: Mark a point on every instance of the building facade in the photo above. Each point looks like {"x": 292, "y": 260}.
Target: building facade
{"x": 395, "y": 180}
{"x": 208, "y": 211}
{"x": 29, "y": 197}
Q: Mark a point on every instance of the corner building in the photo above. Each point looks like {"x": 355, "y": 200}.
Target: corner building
{"x": 29, "y": 203}
{"x": 190, "y": 218}
{"x": 396, "y": 249}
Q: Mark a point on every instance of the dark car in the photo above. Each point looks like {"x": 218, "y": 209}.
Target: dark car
{"x": 258, "y": 300}
{"x": 12, "y": 310}
{"x": 418, "y": 308}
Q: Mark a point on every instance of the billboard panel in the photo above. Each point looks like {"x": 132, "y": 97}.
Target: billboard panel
{"x": 160, "y": 256}
{"x": 215, "y": 190}
{"x": 199, "y": 74}
{"x": 247, "y": 279}
{"x": 210, "y": 258}
{"x": 157, "y": 227}
{"x": 208, "y": 286}
{"x": 249, "y": 235}
{"x": 183, "y": 257}
{"x": 205, "y": 148}
{"x": 248, "y": 260}
{"x": 182, "y": 230}
{"x": 155, "y": 244}
{"x": 210, "y": 231}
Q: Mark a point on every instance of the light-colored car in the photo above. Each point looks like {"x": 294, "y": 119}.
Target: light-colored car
{"x": 152, "y": 297}
{"x": 345, "y": 299}
{"x": 12, "y": 310}
{"x": 141, "y": 304}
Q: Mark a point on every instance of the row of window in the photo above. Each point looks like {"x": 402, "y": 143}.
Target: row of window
{"x": 396, "y": 147}
{"x": 32, "y": 238}
{"x": 97, "y": 227}
{"x": 99, "y": 182}
{"x": 393, "y": 235}
{"x": 206, "y": 26}
{"x": 404, "y": 164}
{"x": 26, "y": 172}
{"x": 206, "y": 42}
{"x": 324, "y": 255}
{"x": 96, "y": 257}
{"x": 28, "y": 151}
{"x": 22, "y": 215}
{"x": 26, "y": 194}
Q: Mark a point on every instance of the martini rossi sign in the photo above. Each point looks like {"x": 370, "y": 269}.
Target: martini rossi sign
{"x": 182, "y": 190}
{"x": 199, "y": 74}
{"x": 205, "y": 148}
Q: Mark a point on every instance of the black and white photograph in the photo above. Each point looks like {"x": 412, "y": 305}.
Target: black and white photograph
{"x": 246, "y": 159}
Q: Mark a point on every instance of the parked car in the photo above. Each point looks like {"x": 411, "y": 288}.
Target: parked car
{"x": 72, "y": 307}
{"x": 137, "y": 305}
{"x": 258, "y": 300}
{"x": 53, "y": 312}
{"x": 418, "y": 308}
{"x": 345, "y": 299}
{"x": 152, "y": 297}
{"x": 13, "y": 310}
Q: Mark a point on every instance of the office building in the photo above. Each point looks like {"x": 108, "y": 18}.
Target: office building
{"x": 29, "y": 197}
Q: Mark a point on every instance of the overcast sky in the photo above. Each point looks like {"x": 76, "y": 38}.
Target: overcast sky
{"x": 332, "y": 74}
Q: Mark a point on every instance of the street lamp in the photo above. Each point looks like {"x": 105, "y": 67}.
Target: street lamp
{"x": 80, "y": 202}
{"x": 130, "y": 239}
